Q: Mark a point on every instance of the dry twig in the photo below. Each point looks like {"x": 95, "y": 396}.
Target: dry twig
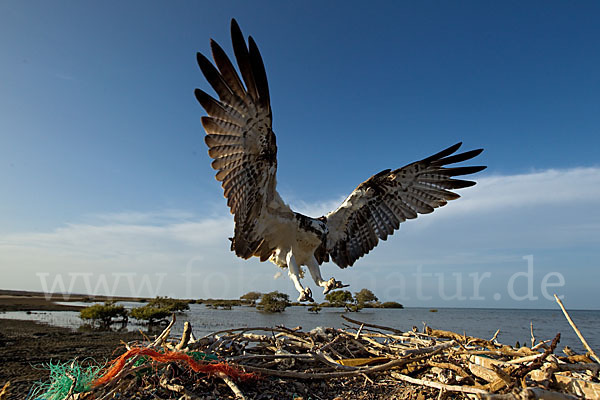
{"x": 577, "y": 331}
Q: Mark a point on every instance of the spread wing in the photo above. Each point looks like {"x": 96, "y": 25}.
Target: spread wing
{"x": 377, "y": 206}
{"x": 239, "y": 135}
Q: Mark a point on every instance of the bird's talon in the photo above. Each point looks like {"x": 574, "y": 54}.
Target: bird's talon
{"x": 333, "y": 284}
{"x": 306, "y": 295}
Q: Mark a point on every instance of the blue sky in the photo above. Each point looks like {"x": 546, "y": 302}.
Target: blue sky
{"x": 103, "y": 168}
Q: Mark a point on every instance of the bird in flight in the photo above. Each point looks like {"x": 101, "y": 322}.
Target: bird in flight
{"x": 242, "y": 144}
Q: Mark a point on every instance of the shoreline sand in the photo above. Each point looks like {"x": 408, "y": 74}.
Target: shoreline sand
{"x": 27, "y": 344}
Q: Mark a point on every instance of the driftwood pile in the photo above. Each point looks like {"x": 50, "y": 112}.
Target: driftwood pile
{"x": 361, "y": 361}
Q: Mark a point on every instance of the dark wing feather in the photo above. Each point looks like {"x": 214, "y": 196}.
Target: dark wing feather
{"x": 240, "y": 138}
{"x": 227, "y": 70}
{"x": 375, "y": 209}
{"x": 243, "y": 59}
{"x": 260, "y": 75}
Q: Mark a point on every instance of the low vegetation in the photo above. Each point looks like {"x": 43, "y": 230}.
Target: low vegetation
{"x": 338, "y": 298}
{"x": 104, "y": 314}
{"x": 391, "y": 304}
{"x": 250, "y": 298}
{"x": 273, "y": 302}
{"x": 173, "y": 305}
{"x": 225, "y": 304}
{"x": 362, "y": 299}
{"x": 151, "y": 315}
{"x": 314, "y": 308}
{"x": 365, "y": 298}
{"x": 159, "y": 309}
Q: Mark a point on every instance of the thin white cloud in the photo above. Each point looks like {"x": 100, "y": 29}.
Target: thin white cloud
{"x": 136, "y": 217}
{"x": 551, "y": 187}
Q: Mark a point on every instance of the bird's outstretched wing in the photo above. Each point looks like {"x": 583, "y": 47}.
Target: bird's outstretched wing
{"x": 377, "y": 206}
{"x": 239, "y": 135}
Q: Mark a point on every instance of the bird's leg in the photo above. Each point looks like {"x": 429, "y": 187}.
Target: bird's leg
{"x": 315, "y": 272}
{"x": 294, "y": 274}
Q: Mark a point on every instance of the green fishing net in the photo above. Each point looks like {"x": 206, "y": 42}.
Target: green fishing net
{"x": 63, "y": 376}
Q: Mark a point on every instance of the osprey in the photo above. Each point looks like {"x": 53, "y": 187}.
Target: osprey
{"x": 241, "y": 141}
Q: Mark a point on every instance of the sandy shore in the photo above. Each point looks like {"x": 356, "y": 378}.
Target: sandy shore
{"x": 18, "y": 300}
{"x": 25, "y": 344}
{"x": 26, "y": 303}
